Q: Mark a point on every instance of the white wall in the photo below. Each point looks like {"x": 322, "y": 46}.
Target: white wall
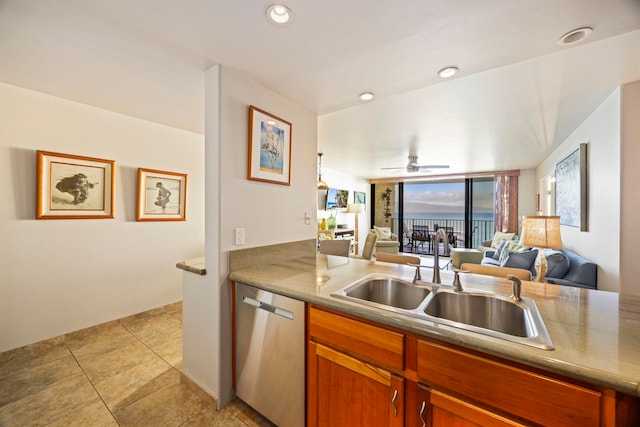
{"x": 630, "y": 189}
{"x": 269, "y": 213}
{"x": 601, "y": 130}
{"x": 59, "y": 276}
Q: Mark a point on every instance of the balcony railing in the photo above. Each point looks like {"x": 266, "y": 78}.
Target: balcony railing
{"x": 482, "y": 230}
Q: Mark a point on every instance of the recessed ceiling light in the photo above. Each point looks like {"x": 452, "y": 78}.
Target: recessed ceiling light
{"x": 366, "y": 96}
{"x": 575, "y": 36}
{"x": 447, "y": 72}
{"x": 279, "y": 14}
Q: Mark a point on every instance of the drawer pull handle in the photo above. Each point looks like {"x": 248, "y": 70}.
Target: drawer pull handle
{"x": 393, "y": 402}
{"x": 424, "y": 406}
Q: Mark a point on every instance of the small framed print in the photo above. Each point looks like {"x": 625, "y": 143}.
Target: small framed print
{"x": 74, "y": 187}
{"x": 269, "y": 148}
{"x": 162, "y": 196}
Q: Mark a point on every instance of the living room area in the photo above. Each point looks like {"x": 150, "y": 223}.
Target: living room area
{"x": 606, "y": 131}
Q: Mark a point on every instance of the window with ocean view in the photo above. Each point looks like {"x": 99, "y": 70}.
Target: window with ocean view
{"x": 433, "y": 205}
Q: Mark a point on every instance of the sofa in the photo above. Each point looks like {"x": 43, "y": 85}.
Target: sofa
{"x": 564, "y": 267}
{"x": 491, "y": 245}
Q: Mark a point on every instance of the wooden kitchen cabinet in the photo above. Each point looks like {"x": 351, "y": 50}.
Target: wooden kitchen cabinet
{"x": 363, "y": 374}
{"x": 349, "y": 392}
{"x": 450, "y": 411}
{"x": 474, "y": 386}
{"x": 354, "y": 388}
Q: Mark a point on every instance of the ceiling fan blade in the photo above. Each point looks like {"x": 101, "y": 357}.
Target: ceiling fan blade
{"x": 434, "y": 166}
{"x": 398, "y": 167}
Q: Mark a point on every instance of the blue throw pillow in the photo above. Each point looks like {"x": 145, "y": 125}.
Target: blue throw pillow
{"x": 499, "y": 248}
{"x": 557, "y": 264}
{"x": 524, "y": 259}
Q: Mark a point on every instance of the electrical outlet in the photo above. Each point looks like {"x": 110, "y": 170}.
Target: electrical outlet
{"x": 239, "y": 236}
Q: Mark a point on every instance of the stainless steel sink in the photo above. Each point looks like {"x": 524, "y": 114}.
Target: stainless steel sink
{"x": 385, "y": 291}
{"x": 483, "y": 311}
{"x": 479, "y": 312}
{"x": 492, "y": 315}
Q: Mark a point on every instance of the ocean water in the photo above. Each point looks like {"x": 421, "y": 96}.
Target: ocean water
{"x": 484, "y": 216}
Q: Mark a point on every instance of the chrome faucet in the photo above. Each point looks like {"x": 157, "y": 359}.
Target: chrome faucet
{"x": 457, "y": 285}
{"x": 418, "y": 277}
{"x": 517, "y": 287}
{"x": 440, "y": 236}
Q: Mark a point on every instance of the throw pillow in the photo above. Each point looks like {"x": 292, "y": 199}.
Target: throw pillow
{"x": 383, "y": 232}
{"x": 499, "y": 236}
{"x": 511, "y": 246}
{"x": 524, "y": 259}
{"x": 557, "y": 264}
{"x": 499, "y": 249}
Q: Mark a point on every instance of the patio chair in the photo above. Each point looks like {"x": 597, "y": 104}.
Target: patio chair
{"x": 406, "y": 235}
{"x": 451, "y": 236}
{"x": 419, "y": 236}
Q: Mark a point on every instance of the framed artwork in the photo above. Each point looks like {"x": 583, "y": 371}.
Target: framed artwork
{"x": 571, "y": 189}
{"x": 162, "y": 196}
{"x": 269, "y": 148}
{"x": 73, "y": 187}
{"x": 337, "y": 198}
{"x": 359, "y": 197}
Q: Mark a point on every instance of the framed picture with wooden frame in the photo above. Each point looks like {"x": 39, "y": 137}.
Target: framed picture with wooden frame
{"x": 162, "y": 196}
{"x": 269, "y": 148}
{"x": 74, "y": 187}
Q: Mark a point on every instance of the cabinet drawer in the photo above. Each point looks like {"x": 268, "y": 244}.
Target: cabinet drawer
{"x": 525, "y": 394}
{"x": 359, "y": 339}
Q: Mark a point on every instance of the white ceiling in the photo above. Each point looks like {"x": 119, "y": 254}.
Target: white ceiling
{"x": 518, "y": 93}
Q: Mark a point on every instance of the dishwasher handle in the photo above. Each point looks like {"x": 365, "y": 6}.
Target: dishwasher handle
{"x": 268, "y": 307}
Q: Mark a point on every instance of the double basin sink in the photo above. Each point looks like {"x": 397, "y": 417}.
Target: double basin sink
{"x": 485, "y": 313}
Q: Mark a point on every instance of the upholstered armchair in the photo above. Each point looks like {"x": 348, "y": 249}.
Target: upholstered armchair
{"x": 387, "y": 241}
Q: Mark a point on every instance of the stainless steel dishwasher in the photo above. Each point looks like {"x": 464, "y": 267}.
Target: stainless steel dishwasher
{"x": 270, "y": 353}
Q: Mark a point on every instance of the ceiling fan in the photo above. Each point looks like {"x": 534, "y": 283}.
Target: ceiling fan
{"x": 414, "y": 166}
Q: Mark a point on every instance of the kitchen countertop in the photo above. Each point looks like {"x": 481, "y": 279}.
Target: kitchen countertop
{"x": 596, "y": 334}
{"x": 195, "y": 266}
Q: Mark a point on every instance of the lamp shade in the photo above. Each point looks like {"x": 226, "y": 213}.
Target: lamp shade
{"x": 355, "y": 208}
{"x": 541, "y": 232}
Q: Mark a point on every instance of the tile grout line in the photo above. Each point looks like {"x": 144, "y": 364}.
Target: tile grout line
{"x": 89, "y": 380}
{"x": 166, "y": 361}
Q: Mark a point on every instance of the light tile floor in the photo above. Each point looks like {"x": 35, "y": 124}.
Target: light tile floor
{"x": 121, "y": 373}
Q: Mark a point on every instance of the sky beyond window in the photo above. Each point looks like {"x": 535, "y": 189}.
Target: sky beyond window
{"x": 446, "y": 197}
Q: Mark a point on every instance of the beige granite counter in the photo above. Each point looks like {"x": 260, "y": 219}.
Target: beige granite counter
{"x": 596, "y": 334}
{"x": 195, "y": 266}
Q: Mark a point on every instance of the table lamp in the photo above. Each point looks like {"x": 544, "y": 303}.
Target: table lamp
{"x": 356, "y": 208}
{"x": 541, "y": 232}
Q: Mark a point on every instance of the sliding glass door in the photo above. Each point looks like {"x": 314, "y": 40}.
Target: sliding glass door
{"x": 481, "y": 209}
{"x": 463, "y": 207}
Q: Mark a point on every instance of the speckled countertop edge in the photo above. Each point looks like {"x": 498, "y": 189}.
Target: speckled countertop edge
{"x": 195, "y": 266}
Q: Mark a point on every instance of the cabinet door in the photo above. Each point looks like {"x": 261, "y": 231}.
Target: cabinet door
{"x": 423, "y": 407}
{"x": 344, "y": 391}
{"x": 525, "y": 394}
{"x": 448, "y": 411}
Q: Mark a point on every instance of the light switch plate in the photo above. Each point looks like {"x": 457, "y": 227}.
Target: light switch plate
{"x": 239, "y": 236}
